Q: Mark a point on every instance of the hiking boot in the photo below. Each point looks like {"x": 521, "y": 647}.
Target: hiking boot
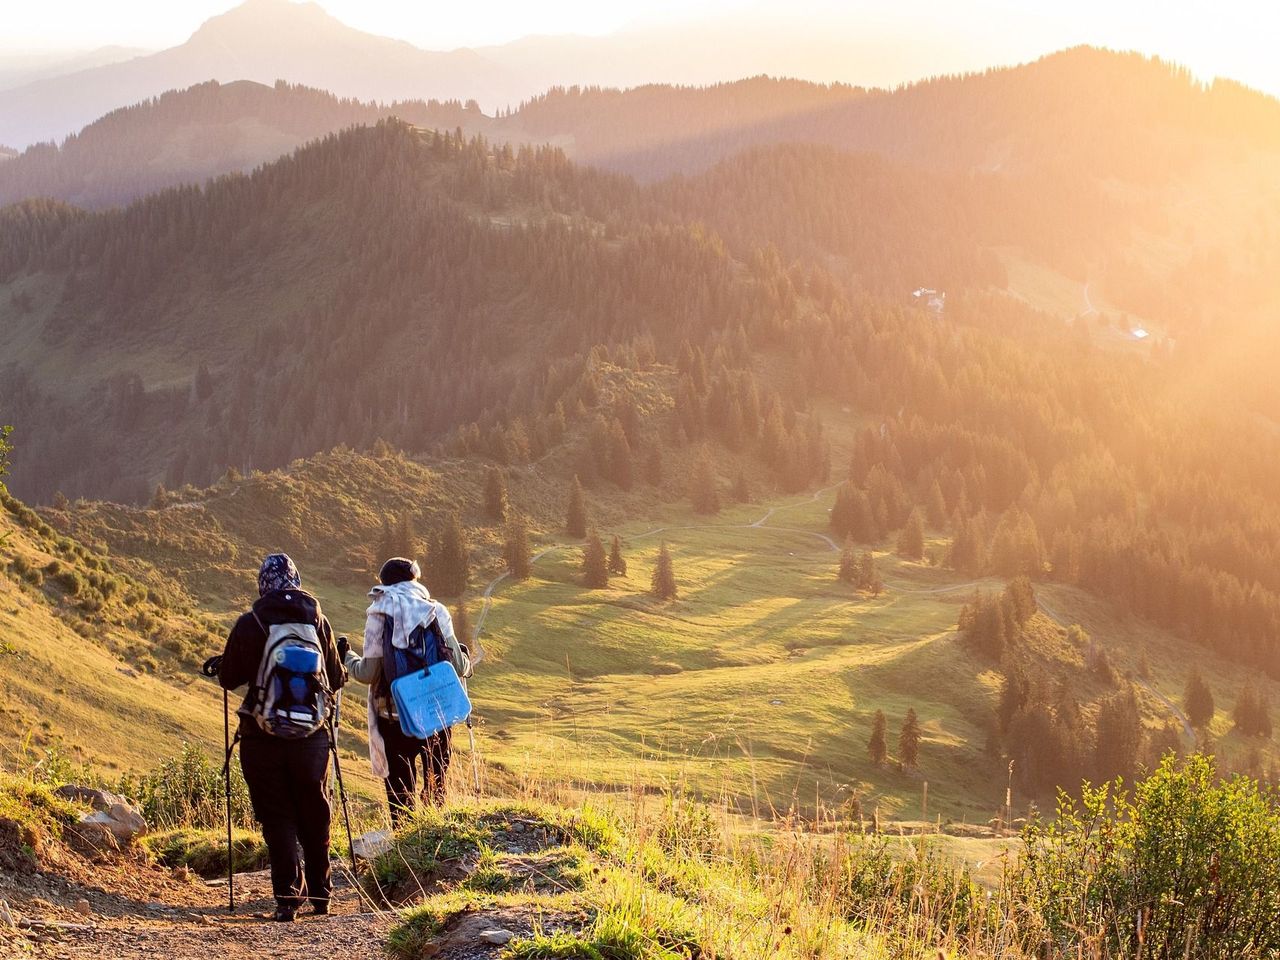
{"x": 320, "y": 908}
{"x": 284, "y": 914}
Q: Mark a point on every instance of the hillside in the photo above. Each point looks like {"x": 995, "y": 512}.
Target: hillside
{"x": 90, "y": 657}
{"x": 189, "y": 136}
{"x": 759, "y": 684}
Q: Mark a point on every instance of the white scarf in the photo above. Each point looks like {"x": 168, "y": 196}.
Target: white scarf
{"x": 408, "y": 604}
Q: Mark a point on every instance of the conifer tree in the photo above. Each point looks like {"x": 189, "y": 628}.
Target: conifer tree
{"x": 869, "y": 574}
{"x": 911, "y": 537}
{"x": 576, "y": 515}
{"x": 452, "y": 562}
{"x": 741, "y": 489}
{"x": 1118, "y": 736}
{"x": 936, "y": 505}
{"x": 878, "y": 745}
{"x": 617, "y": 562}
{"x": 849, "y": 565}
{"x": 653, "y": 466}
{"x": 1197, "y": 700}
{"x": 909, "y": 741}
{"x": 495, "y": 495}
{"x": 517, "y": 552}
{"x": 595, "y": 565}
{"x": 663, "y": 584}
{"x": 462, "y": 623}
{"x": 704, "y": 491}
{"x": 619, "y": 456}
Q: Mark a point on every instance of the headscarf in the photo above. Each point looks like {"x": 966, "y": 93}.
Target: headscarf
{"x": 278, "y": 573}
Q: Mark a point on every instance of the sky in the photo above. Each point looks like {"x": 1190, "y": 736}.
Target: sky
{"x": 1233, "y": 38}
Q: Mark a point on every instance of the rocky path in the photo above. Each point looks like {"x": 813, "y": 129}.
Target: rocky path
{"x": 141, "y": 912}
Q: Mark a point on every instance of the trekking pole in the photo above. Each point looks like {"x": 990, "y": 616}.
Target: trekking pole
{"x": 210, "y": 669}
{"x": 337, "y": 773}
{"x": 475, "y": 763}
{"x": 226, "y": 784}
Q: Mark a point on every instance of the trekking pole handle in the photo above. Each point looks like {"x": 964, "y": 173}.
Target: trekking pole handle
{"x": 212, "y": 667}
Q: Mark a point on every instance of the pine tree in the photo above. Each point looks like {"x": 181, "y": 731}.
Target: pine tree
{"x": 518, "y": 555}
{"x": 878, "y": 746}
{"x": 617, "y": 562}
{"x": 1197, "y": 700}
{"x": 462, "y": 623}
{"x": 576, "y": 515}
{"x": 703, "y": 491}
{"x": 911, "y": 537}
{"x": 741, "y": 489}
{"x": 452, "y": 563}
{"x": 849, "y": 565}
{"x": 936, "y": 506}
{"x": 663, "y": 584}
{"x": 909, "y": 741}
{"x": 495, "y": 495}
{"x": 1118, "y": 736}
{"x": 157, "y": 498}
{"x": 619, "y": 449}
{"x": 653, "y": 466}
{"x": 595, "y": 565}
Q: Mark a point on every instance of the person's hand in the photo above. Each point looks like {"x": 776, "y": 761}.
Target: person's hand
{"x": 344, "y": 646}
{"x": 212, "y": 666}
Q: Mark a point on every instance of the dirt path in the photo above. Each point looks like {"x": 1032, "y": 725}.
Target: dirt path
{"x": 127, "y": 929}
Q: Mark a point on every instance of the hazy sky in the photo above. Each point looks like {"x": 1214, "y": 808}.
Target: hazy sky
{"x": 1235, "y": 38}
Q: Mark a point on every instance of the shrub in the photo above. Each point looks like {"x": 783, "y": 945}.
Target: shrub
{"x": 205, "y": 851}
{"x": 187, "y": 791}
{"x": 1186, "y": 865}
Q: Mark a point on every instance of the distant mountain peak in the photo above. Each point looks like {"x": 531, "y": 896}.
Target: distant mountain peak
{"x": 264, "y": 15}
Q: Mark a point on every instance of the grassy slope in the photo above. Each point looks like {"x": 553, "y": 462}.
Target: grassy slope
{"x": 83, "y": 695}
{"x": 610, "y": 688}
{"x": 762, "y": 679}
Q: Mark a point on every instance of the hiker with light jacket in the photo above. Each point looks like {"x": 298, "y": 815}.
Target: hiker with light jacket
{"x": 401, "y": 613}
{"x": 284, "y": 748}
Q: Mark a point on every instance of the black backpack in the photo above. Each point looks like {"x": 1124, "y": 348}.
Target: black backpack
{"x": 291, "y": 697}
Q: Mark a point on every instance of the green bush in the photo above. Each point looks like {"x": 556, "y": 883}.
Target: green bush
{"x": 187, "y": 791}
{"x": 1185, "y": 866}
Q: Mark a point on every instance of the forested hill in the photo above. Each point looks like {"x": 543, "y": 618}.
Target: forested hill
{"x": 426, "y": 290}
{"x": 1081, "y": 116}
{"x": 188, "y": 136}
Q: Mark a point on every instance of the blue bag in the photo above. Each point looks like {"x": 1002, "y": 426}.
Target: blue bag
{"x": 430, "y": 700}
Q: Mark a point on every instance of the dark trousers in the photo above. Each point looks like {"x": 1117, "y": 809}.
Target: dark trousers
{"x": 288, "y": 785}
{"x": 403, "y": 754}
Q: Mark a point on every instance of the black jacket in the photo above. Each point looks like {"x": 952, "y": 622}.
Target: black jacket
{"x": 247, "y": 639}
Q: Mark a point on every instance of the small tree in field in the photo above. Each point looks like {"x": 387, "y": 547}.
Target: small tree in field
{"x": 909, "y": 741}
{"x": 878, "y": 745}
{"x": 495, "y": 495}
{"x": 1197, "y": 700}
{"x": 617, "y": 562}
{"x": 462, "y": 622}
{"x": 595, "y": 565}
{"x": 663, "y": 585}
{"x": 911, "y": 538}
{"x": 576, "y": 515}
{"x": 848, "y": 563}
{"x": 518, "y": 555}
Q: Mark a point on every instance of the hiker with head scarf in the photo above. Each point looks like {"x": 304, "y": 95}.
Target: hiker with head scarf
{"x": 400, "y": 603}
{"x": 287, "y": 778}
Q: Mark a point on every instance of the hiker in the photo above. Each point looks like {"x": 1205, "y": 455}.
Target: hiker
{"x": 400, "y": 605}
{"x": 284, "y": 749}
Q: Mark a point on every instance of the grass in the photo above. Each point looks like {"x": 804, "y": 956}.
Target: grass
{"x": 204, "y": 851}
{"x": 31, "y": 818}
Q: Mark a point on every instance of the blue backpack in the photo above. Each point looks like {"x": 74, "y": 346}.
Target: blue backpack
{"x": 422, "y": 688}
